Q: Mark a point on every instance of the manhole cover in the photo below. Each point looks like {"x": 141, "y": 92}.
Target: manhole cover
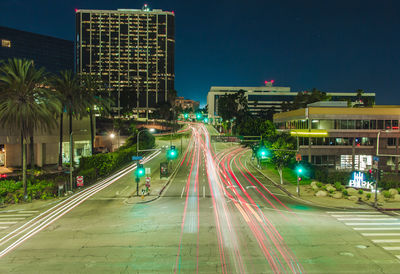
{"x": 347, "y": 254}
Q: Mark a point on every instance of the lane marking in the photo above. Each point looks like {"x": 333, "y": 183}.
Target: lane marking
{"x": 361, "y": 216}
{"x": 387, "y": 241}
{"x": 380, "y": 234}
{"x": 183, "y": 190}
{"x": 28, "y": 211}
{"x": 391, "y": 247}
{"x": 397, "y": 223}
{"x": 7, "y": 223}
{"x": 16, "y": 215}
{"x": 3, "y": 227}
{"x": 12, "y": 219}
{"x": 376, "y": 228}
{"x": 368, "y": 219}
{"x": 204, "y": 191}
{"x": 353, "y": 212}
{"x": 398, "y": 256}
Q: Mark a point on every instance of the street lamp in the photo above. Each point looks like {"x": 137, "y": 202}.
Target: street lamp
{"x": 71, "y": 154}
{"x": 299, "y": 171}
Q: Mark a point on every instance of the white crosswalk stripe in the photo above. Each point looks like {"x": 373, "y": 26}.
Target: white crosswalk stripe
{"x": 9, "y": 218}
{"x": 383, "y": 228}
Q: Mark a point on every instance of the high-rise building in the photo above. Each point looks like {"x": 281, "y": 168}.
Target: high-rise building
{"x": 132, "y": 50}
{"x": 52, "y": 53}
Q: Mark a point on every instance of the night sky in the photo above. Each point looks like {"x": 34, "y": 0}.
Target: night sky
{"x": 330, "y": 45}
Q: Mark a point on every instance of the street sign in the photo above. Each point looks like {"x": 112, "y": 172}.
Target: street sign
{"x": 137, "y": 158}
{"x": 79, "y": 180}
{"x": 375, "y": 161}
{"x": 148, "y": 171}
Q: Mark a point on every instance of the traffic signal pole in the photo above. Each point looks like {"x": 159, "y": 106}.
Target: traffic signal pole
{"x": 137, "y": 179}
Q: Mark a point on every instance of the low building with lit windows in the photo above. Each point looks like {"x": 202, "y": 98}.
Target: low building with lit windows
{"x": 46, "y": 144}
{"x": 333, "y": 135}
{"x": 186, "y": 103}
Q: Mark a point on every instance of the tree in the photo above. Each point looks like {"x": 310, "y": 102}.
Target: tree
{"x": 91, "y": 96}
{"x": 302, "y": 99}
{"x": 283, "y": 153}
{"x": 72, "y": 101}
{"x": 26, "y": 105}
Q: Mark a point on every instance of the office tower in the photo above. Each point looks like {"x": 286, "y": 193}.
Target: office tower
{"x": 132, "y": 50}
{"x": 52, "y": 53}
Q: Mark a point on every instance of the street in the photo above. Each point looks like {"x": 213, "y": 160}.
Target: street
{"x": 219, "y": 214}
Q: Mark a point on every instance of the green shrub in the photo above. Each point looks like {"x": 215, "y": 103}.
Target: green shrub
{"x": 9, "y": 186}
{"x": 324, "y": 188}
{"x": 386, "y": 194}
{"x": 360, "y": 191}
{"x": 345, "y": 192}
{"x": 368, "y": 195}
{"x": 89, "y": 175}
{"x": 339, "y": 186}
{"x": 319, "y": 184}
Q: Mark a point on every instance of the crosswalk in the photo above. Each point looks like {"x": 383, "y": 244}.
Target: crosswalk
{"x": 10, "y": 218}
{"x": 379, "y": 228}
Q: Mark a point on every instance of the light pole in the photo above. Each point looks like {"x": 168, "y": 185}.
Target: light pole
{"x": 71, "y": 154}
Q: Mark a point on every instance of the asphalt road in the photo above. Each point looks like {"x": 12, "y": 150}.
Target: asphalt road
{"x": 218, "y": 215}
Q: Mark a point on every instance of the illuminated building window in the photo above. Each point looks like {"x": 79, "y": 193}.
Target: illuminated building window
{"x": 5, "y": 43}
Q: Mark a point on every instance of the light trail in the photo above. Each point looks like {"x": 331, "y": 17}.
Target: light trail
{"x": 48, "y": 217}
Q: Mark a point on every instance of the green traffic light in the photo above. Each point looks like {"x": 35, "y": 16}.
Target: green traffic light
{"x": 300, "y": 170}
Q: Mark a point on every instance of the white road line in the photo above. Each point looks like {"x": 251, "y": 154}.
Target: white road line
{"x": 28, "y": 211}
{"x": 204, "y": 191}
{"x": 353, "y": 212}
{"x": 387, "y": 241}
{"x": 11, "y": 219}
{"x": 183, "y": 190}
{"x": 368, "y": 219}
{"x": 7, "y": 223}
{"x": 3, "y": 227}
{"x": 398, "y": 257}
{"x": 361, "y": 216}
{"x": 376, "y": 228}
{"x": 18, "y": 215}
{"x": 380, "y": 234}
{"x": 397, "y": 223}
{"x": 391, "y": 247}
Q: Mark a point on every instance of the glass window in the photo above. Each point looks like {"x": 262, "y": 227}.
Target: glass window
{"x": 380, "y": 124}
{"x": 351, "y": 124}
{"x": 358, "y": 124}
{"x": 372, "y": 124}
{"x": 388, "y": 124}
{"x": 326, "y": 124}
{"x": 391, "y": 141}
{"x": 337, "y": 124}
{"x": 343, "y": 124}
{"x": 395, "y": 124}
{"x": 365, "y": 124}
{"x": 315, "y": 124}
{"x": 5, "y": 43}
{"x": 365, "y": 141}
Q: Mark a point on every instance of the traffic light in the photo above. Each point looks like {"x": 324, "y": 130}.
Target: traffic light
{"x": 172, "y": 153}
{"x": 369, "y": 175}
{"x": 380, "y": 174}
{"x": 186, "y": 115}
{"x": 198, "y": 116}
{"x": 140, "y": 171}
{"x": 262, "y": 153}
{"x": 206, "y": 120}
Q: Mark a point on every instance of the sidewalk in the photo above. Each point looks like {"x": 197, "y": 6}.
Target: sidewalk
{"x": 307, "y": 195}
{"x": 158, "y": 185}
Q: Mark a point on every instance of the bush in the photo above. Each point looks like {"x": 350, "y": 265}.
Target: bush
{"x": 368, "y": 195}
{"x": 319, "y": 184}
{"x": 89, "y": 175}
{"x": 386, "y": 194}
{"x": 339, "y": 186}
{"x": 345, "y": 192}
{"x": 9, "y": 186}
{"x": 360, "y": 191}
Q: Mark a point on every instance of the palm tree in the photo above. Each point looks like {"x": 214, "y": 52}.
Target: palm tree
{"x": 67, "y": 86}
{"x": 26, "y": 104}
{"x": 90, "y": 90}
